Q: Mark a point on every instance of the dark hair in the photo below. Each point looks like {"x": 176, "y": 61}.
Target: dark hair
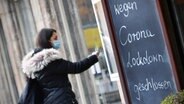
{"x": 43, "y": 38}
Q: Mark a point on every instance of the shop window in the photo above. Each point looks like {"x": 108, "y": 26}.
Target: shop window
{"x": 104, "y": 72}
{"x": 106, "y": 42}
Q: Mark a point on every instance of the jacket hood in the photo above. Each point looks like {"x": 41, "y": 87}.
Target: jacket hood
{"x": 32, "y": 64}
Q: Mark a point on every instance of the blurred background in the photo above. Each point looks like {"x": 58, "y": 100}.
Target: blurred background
{"x": 82, "y": 28}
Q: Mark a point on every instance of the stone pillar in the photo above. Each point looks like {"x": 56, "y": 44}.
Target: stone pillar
{"x": 21, "y": 20}
{"x": 37, "y": 14}
{"x": 14, "y": 50}
{"x": 8, "y": 86}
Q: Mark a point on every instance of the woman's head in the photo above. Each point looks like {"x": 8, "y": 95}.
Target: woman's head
{"x": 45, "y": 38}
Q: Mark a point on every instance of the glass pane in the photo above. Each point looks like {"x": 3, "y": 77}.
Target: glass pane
{"x": 108, "y": 90}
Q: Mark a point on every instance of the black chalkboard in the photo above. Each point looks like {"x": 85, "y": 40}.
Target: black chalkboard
{"x": 144, "y": 55}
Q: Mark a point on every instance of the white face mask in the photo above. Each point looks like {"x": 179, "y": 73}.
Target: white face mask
{"x": 56, "y": 44}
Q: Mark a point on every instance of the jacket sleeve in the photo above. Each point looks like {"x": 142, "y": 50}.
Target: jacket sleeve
{"x": 78, "y": 67}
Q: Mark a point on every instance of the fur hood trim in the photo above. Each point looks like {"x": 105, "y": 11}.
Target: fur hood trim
{"x": 32, "y": 64}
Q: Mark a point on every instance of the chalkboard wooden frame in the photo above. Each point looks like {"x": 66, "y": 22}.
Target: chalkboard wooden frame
{"x": 117, "y": 54}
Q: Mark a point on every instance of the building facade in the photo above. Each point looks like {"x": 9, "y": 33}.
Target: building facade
{"x": 83, "y": 27}
{"x": 74, "y": 20}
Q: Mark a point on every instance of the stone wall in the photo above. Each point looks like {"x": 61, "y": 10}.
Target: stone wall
{"x": 20, "y": 21}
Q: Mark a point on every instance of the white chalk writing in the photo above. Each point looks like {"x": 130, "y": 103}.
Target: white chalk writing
{"x": 131, "y": 37}
{"x": 151, "y": 85}
{"x": 144, "y": 59}
{"x": 125, "y": 8}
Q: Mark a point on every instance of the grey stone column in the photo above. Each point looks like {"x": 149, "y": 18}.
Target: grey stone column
{"x": 14, "y": 47}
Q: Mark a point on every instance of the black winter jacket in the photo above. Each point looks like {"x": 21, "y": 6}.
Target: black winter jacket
{"x": 51, "y": 71}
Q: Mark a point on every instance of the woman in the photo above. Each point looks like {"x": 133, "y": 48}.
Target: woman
{"x": 51, "y": 71}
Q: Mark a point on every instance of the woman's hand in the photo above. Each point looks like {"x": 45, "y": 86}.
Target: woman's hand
{"x": 96, "y": 52}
